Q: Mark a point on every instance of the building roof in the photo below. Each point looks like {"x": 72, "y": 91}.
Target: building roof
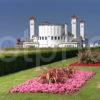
{"x": 45, "y": 23}
{"x": 51, "y": 24}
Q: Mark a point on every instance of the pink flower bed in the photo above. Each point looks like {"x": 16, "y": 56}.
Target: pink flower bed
{"x": 71, "y": 85}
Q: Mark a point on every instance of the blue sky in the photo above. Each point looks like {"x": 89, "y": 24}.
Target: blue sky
{"x": 14, "y": 14}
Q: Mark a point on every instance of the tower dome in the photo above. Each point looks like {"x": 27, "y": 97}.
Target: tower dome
{"x": 32, "y": 18}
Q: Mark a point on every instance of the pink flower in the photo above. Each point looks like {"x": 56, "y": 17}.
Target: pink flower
{"x": 71, "y": 85}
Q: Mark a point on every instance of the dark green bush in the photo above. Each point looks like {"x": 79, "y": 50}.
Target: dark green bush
{"x": 19, "y": 63}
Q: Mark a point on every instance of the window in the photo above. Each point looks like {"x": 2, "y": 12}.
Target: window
{"x": 32, "y": 36}
{"x": 32, "y": 23}
{"x": 42, "y": 38}
{"x": 58, "y": 38}
{"x": 74, "y": 23}
{"x": 45, "y": 38}
{"x": 51, "y": 37}
{"x": 55, "y": 38}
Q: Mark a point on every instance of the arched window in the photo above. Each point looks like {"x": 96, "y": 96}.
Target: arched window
{"x": 51, "y": 37}
{"x": 45, "y": 38}
{"x": 55, "y": 38}
{"x": 42, "y": 38}
{"x": 58, "y": 37}
{"x": 32, "y": 36}
{"x": 61, "y": 37}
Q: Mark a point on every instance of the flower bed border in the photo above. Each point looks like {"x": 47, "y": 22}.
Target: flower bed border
{"x": 89, "y": 65}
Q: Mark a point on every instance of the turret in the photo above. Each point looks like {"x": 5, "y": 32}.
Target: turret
{"x": 82, "y": 29}
{"x": 32, "y": 26}
{"x": 66, "y": 33}
{"x": 74, "y": 26}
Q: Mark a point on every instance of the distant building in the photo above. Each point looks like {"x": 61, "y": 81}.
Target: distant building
{"x": 94, "y": 44}
{"x": 55, "y": 35}
{"x": 19, "y": 43}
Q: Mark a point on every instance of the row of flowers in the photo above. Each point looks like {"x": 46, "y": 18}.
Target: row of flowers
{"x": 70, "y": 85}
{"x": 97, "y": 64}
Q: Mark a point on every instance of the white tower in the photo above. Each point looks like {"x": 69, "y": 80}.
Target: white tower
{"x": 66, "y": 33}
{"x": 74, "y": 26}
{"x": 32, "y": 26}
{"x": 82, "y": 29}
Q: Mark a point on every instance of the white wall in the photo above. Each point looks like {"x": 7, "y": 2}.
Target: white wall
{"x": 50, "y": 31}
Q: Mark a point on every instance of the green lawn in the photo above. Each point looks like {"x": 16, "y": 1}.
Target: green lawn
{"x": 91, "y": 91}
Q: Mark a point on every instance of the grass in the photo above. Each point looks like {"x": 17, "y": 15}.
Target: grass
{"x": 89, "y": 92}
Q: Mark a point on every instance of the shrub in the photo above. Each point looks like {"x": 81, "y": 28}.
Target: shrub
{"x": 57, "y": 75}
{"x": 19, "y": 63}
{"x": 86, "y": 56}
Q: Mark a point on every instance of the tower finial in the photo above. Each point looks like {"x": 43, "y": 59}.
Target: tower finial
{"x": 32, "y": 18}
{"x": 82, "y": 21}
{"x": 74, "y": 17}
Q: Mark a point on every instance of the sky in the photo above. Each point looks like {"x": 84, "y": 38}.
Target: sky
{"x": 14, "y": 15}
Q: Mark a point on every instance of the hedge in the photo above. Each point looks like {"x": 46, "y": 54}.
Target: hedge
{"x": 20, "y": 63}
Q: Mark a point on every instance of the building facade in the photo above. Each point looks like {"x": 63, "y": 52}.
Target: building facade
{"x": 54, "y": 35}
